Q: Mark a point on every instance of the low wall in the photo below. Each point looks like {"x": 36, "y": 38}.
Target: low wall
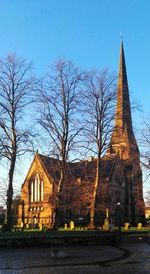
{"x": 18, "y": 239}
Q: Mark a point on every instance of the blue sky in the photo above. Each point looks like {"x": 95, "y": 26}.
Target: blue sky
{"x": 85, "y": 31}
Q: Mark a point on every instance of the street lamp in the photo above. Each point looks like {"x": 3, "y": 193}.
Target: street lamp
{"x": 118, "y": 219}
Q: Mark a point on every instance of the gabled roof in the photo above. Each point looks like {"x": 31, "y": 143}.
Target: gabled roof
{"x": 83, "y": 169}
{"x": 78, "y": 169}
{"x": 51, "y": 165}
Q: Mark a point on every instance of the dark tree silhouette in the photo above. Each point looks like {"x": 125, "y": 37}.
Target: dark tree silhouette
{"x": 99, "y": 107}
{"x": 16, "y": 85}
{"x": 59, "y": 101}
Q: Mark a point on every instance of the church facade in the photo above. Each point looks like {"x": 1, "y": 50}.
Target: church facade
{"x": 121, "y": 177}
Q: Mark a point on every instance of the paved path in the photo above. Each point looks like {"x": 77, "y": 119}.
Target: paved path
{"x": 39, "y": 260}
{"x": 21, "y": 260}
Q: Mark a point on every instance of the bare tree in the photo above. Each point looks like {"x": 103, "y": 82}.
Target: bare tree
{"x": 3, "y": 191}
{"x": 145, "y": 146}
{"x": 147, "y": 198}
{"x": 16, "y": 83}
{"x": 145, "y": 157}
{"x": 99, "y": 108}
{"x": 59, "y": 104}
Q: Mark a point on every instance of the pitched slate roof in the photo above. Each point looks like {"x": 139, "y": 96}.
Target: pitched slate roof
{"x": 78, "y": 169}
{"x": 51, "y": 165}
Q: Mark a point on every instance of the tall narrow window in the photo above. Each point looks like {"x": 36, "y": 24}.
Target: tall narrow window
{"x": 31, "y": 191}
{"x": 36, "y": 189}
{"x": 42, "y": 191}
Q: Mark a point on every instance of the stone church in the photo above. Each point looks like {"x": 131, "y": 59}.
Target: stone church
{"x": 121, "y": 177}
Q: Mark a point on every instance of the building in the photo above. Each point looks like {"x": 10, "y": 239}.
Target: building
{"x": 121, "y": 178}
{"x": 147, "y": 214}
{"x": 2, "y": 215}
{"x": 123, "y": 143}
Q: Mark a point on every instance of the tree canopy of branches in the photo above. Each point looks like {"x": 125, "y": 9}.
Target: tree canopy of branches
{"x": 146, "y": 142}
{"x": 3, "y": 191}
{"x": 16, "y": 83}
{"x": 99, "y": 109}
{"x": 59, "y": 103}
{"x": 145, "y": 157}
{"x": 147, "y": 199}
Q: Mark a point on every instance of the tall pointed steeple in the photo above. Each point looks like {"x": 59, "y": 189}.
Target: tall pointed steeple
{"x": 123, "y": 109}
{"x": 123, "y": 141}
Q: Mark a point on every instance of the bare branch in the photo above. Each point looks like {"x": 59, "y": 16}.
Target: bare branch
{"x": 16, "y": 86}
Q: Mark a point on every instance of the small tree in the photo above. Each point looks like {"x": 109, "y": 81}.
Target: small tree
{"x": 145, "y": 156}
{"x": 16, "y": 84}
{"x": 145, "y": 141}
{"x": 99, "y": 108}
{"x": 147, "y": 198}
{"x": 58, "y": 116}
{"x": 15, "y": 206}
{"x": 3, "y": 191}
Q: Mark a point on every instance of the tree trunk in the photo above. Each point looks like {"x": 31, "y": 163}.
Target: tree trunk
{"x": 10, "y": 194}
{"x": 56, "y": 202}
{"x": 93, "y": 204}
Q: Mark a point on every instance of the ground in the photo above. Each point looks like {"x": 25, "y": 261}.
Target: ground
{"x": 79, "y": 259}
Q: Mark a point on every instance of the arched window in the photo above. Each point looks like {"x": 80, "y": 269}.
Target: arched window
{"x": 36, "y": 189}
{"x": 31, "y": 192}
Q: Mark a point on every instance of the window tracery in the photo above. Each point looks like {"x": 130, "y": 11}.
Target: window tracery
{"x": 36, "y": 189}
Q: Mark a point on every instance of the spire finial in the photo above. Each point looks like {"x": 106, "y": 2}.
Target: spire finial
{"x": 121, "y": 37}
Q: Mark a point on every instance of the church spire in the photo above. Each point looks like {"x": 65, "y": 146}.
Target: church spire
{"x": 123, "y": 109}
{"x": 123, "y": 141}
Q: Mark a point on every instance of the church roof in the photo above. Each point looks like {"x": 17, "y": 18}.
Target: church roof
{"x": 51, "y": 165}
{"x": 80, "y": 169}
